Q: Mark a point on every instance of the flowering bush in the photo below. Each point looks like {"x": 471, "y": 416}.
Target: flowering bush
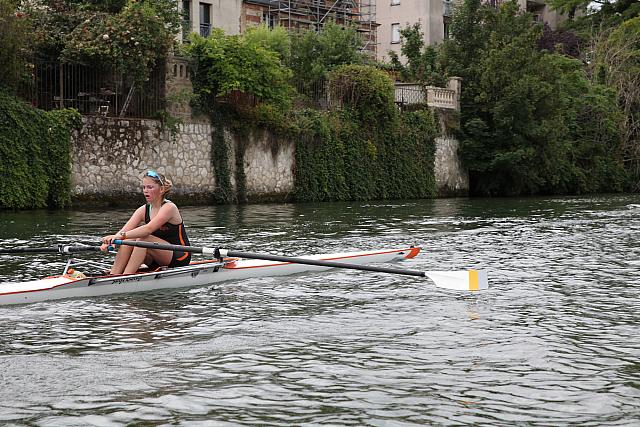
{"x": 127, "y": 34}
{"x": 132, "y": 40}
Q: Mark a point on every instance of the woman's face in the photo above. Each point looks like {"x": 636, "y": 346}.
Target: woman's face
{"x": 151, "y": 189}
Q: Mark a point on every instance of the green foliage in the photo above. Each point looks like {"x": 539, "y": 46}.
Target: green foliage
{"x": 276, "y": 40}
{"x": 224, "y": 64}
{"x": 367, "y": 150}
{"x": 133, "y": 39}
{"x": 365, "y": 90}
{"x": 615, "y": 62}
{"x": 336, "y": 160}
{"x": 15, "y": 45}
{"x": 35, "y": 155}
{"x": 569, "y": 6}
{"x": 248, "y": 68}
{"x": 526, "y": 127}
{"x": 169, "y": 123}
{"x": 126, "y": 34}
{"x": 220, "y": 159}
{"x": 422, "y": 65}
{"x": 314, "y": 54}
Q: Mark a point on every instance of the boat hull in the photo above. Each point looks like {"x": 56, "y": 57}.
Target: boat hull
{"x": 196, "y": 274}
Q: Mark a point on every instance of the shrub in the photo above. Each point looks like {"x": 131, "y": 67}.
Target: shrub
{"x": 35, "y": 155}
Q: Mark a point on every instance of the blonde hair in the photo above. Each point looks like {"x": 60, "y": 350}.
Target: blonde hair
{"x": 164, "y": 182}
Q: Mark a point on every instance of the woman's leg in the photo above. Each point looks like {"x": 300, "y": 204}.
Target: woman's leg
{"x": 139, "y": 255}
{"x": 122, "y": 258}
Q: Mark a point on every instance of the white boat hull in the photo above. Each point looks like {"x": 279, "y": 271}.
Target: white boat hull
{"x": 196, "y": 274}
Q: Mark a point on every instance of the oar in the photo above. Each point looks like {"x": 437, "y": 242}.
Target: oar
{"x": 466, "y": 280}
{"x": 62, "y": 249}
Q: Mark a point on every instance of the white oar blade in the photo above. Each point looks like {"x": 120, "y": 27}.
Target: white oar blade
{"x": 467, "y": 280}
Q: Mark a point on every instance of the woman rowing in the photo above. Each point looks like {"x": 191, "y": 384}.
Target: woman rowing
{"x": 159, "y": 221}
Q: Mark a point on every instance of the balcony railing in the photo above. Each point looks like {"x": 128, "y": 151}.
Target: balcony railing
{"x": 409, "y": 93}
{"x": 441, "y": 98}
{"x": 205, "y": 30}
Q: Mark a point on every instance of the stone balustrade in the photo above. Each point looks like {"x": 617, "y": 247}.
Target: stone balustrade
{"x": 441, "y": 98}
{"x": 437, "y": 97}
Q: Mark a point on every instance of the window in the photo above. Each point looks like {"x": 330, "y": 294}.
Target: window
{"x": 186, "y": 20}
{"x": 395, "y": 2}
{"x": 269, "y": 20}
{"x": 395, "y": 33}
{"x": 186, "y": 10}
{"x": 205, "y": 19}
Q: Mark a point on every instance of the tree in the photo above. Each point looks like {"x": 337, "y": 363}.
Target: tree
{"x": 422, "y": 63}
{"x": 560, "y": 41}
{"x": 126, "y": 34}
{"x": 224, "y": 64}
{"x": 314, "y": 54}
{"x": 524, "y": 117}
{"x": 615, "y": 62}
{"x": 15, "y": 45}
{"x": 276, "y": 40}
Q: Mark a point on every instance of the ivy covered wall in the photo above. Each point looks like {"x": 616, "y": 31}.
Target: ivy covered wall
{"x": 35, "y": 155}
{"x": 338, "y": 160}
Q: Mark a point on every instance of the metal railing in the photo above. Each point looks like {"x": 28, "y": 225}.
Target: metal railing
{"x": 205, "y": 30}
{"x": 94, "y": 91}
{"x": 409, "y": 94}
{"x": 432, "y": 96}
{"x": 315, "y": 94}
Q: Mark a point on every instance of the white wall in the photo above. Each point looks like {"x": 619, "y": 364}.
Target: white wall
{"x": 225, "y": 14}
{"x": 406, "y": 13}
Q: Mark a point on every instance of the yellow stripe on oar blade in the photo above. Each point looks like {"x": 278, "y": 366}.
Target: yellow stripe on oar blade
{"x": 473, "y": 280}
{"x": 465, "y": 280}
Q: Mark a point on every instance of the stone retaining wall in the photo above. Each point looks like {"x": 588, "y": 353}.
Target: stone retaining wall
{"x": 110, "y": 156}
{"x": 452, "y": 178}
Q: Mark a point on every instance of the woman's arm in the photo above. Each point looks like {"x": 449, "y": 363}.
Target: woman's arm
{"x": 167, "y": 212}
{"x": 136, "y": 219}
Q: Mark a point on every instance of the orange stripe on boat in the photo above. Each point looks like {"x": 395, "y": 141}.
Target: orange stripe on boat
{"x": 412, "y": 253}
{"x": 399, "y": 252}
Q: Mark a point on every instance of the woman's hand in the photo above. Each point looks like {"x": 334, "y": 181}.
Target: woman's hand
{"x": 107, "y": 241}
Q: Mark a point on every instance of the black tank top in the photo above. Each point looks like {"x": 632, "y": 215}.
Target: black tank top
{"x": 174, "y": 234}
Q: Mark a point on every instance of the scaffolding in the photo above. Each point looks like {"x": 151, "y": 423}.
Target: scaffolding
{"x": 295, "y": 15}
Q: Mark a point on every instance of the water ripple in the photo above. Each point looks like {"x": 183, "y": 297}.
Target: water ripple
{"x": 555, "y": 341}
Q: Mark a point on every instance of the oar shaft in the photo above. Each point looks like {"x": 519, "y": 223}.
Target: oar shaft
{"x": 62, "y": 249}
{"x": 217, "y": 252}
{"x": 322, "y": 263}
{"x": 467, "y": 280}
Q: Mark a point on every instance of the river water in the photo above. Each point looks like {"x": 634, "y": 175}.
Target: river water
{"x": 555, "y": 341}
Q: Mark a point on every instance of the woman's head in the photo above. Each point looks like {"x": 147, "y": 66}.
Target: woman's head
{"x": 155, "y": 184}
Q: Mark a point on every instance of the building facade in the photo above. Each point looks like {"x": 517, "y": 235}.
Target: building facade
{"x": 235, "y": 16}
{"x": 394, "y": 15}
{"x": 434, "y": 17}
{"x": 200, "y": 16}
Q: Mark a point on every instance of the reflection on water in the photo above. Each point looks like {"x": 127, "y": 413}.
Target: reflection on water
{"x": 555, "y": 341}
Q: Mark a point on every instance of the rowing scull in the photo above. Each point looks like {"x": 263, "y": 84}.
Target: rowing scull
{"x": 196, "y": 274}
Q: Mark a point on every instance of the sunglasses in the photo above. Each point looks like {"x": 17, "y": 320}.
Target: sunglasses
{"x": 155, "y": 175}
